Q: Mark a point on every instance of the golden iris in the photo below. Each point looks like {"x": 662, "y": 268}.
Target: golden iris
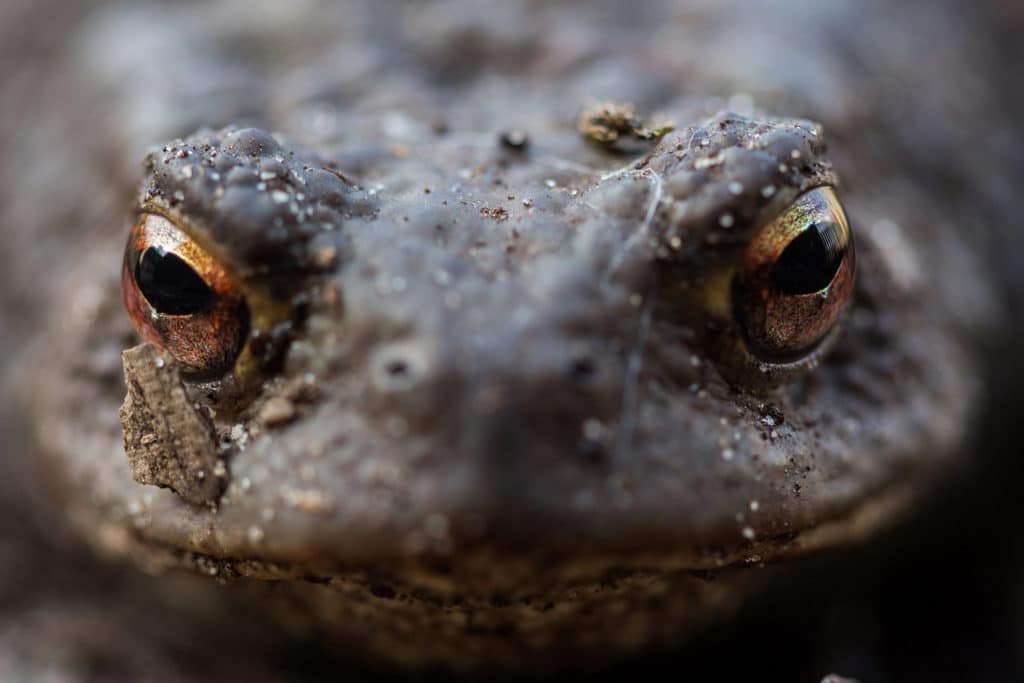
{"x": 796, "y": 277}
{"x": 180, "y": 299}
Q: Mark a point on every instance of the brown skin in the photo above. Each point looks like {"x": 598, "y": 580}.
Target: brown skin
{"x": 462, "y": 485}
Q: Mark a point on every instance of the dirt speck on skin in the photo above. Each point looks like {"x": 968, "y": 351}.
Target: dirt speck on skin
{"x": 277, "y": 411}
{"x": 498, "y": 213}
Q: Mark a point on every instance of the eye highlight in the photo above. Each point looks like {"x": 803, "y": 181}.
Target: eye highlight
{"x": 795, "y": 278}
{"x": 180, "y": 299}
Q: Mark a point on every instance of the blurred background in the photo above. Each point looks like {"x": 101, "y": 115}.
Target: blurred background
{"x": 87, "y": 87}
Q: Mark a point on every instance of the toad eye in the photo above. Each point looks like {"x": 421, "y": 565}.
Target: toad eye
{"x": 795, "y": 278}
{"x": 180, "y": 299}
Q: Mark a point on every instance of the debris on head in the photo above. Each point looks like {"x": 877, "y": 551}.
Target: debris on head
{"x": 607, "y": 122}
{"x": 169, "y": 442}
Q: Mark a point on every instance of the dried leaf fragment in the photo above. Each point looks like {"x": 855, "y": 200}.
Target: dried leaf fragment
{"x": 607, "y": 122}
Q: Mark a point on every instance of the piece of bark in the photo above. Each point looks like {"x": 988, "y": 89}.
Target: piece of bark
{"x": 168, "y": 442}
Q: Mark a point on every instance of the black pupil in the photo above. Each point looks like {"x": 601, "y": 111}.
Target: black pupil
{"x": 810, "y": 261}
{"x": 170, "y": 285}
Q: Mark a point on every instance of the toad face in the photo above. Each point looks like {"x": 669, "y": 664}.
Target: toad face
{"x": 469, "y": 386}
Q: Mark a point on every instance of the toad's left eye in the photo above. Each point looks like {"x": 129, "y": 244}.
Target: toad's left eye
{"x": 181, "y": 299}
{"x": 795, "y": 277}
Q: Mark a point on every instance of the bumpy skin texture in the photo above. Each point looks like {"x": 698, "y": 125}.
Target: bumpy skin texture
{"x": 489, "y": 394}
{"x": 259, "y": 204}
{"x": 560, "y": 446}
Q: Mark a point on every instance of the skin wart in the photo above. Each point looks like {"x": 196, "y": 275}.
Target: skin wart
{"x": 495, "y": 410}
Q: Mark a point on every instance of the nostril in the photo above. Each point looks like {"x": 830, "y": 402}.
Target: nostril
{"x": 591, "y": 451}
{"x": 582, "y": 369}
{"x": 399, "y": 367}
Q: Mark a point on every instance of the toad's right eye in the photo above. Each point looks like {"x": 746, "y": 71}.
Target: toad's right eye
{"x": 181, "y": 299}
